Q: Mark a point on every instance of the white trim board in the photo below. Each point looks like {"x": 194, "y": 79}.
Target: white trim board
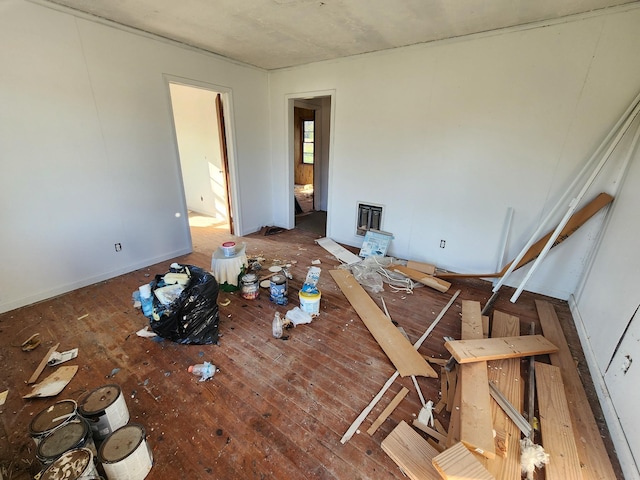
{"x": 629, "y": 467}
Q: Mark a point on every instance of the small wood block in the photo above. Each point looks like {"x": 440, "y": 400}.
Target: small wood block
{"x": 411, "y": 452}
{"x": 429, "y": 431}
{"x": 458, "y": 463}
{"x": 468, "y": 351}
{"x": 555, "y": 424}
{"x": 387, "y": 411}
{"x": 502, "y": 443}
{"x": 427, "y": 280}
{"x": 402, "y": 354}
{"x": 43, "y": 364}
{"x": 422, "y": 267}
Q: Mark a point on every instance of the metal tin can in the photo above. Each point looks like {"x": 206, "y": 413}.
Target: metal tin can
{"x": 249, "y": 286}
{"x": 278, "y": 289}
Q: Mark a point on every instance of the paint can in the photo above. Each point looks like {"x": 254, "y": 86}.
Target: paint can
{"x": 125, "y": 454}
{"x": 72, "y": 465}
{"x": 104, "y": 409}
{"x": 310, "y": 302}
{"x": 229, "y": 249}
{"x": 51, "y": 418}
{"x": 70, "y": 436}
{"x": 249, "y": 286}
{"x": 278, "y": 290}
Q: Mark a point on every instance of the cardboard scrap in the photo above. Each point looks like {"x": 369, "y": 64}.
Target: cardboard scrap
{"x": 54, "y": 383}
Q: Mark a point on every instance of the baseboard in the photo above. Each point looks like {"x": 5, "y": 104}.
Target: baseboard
{"x": 627, "y": 462}
{"x": 85, "y": 282}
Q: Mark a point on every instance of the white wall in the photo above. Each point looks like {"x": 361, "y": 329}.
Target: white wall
{"x": 196, "y": 125}
{"x": 448, "y": 136}
{"x": 87, "y": 152}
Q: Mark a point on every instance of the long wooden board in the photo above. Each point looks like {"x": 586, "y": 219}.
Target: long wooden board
{"x": 457, "y": 463}
{"x": 422, "y": 267}
{"x": 476, "y": 428}
{"x": 427, "y": 280}
{"x": 592, "y": 452}
{"x": 575, "y": 222}
{"x": 505, "y": 374}
{"x": 555, "y": 425}
{"x": 411, "y": 452}
{"x": 467, "y": 351}
{"x": 404, "y": 357}
{"x": 387, "y": 411}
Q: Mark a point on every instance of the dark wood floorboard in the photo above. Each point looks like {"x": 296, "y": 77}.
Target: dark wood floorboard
{"x": 276, "y": 409}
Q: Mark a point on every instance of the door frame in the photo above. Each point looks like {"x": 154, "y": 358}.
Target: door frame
{"x": 290, "y": 100}
{"x": 226, "y": 95}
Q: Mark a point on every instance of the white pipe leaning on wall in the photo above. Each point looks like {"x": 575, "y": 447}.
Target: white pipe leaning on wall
{"x": 562, "y": 200}
{"x": 574, "y": 203}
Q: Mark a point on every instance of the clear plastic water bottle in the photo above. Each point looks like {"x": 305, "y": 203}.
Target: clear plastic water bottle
{"x": 277, "y": 326}
{"x": 205, "y": 370}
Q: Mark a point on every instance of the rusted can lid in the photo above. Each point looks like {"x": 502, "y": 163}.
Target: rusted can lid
{"x": 121, "y": 443}
{"x": 52, "y": 417}
{"x": 70, "y": 466}
{"x": 96, "y": 401}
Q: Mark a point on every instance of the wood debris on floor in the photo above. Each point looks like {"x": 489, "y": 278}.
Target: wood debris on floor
{"x": 279, "y": 409}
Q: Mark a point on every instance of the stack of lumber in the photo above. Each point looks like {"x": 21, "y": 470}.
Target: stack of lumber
{"x": 483, "y": 441}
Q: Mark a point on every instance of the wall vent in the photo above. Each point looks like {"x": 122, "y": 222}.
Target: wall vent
{"x": 369, "y": 218}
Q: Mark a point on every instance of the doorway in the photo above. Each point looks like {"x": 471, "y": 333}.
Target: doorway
{"x": 311, "y": 132}
{"x": 198, "y": 118}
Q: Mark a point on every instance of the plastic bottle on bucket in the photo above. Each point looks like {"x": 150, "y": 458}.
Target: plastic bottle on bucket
{"x": 204, "y": 370}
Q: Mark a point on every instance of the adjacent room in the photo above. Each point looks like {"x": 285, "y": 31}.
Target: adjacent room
{"x": 490, "y": 152}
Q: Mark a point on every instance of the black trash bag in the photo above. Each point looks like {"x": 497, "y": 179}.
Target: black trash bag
{"x": 192, "y": 318}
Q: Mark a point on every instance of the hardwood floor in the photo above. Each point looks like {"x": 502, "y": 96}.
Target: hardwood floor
{"x": 276, "y": 409}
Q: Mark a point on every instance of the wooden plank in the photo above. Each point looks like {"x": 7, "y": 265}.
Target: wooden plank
{"x": 427, "y": 280}
{"x": 453, "y": 434}
{"x": 458, "y": 463}
{"x": 469, "y": 351}
{"x": 505, "y": 374}
{"x": 476, "y": 428}
{"x": 592, "y": 452}
{"x": 422, "y": 267}
{"x": 387, "y": 411}
{"x": 452, "y": 380}
{"x": 411, "y": 452}
{"x": 471, "y": 327}
{"x": 555, "y": 425}
{"x": 338, "y": 251}
{"x": 43, "y": 364}
{"x": 404, "y": 357}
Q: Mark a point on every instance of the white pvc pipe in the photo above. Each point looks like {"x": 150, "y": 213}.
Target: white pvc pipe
{"x": 574, "y": 203}
{"x": 562, "y": 201}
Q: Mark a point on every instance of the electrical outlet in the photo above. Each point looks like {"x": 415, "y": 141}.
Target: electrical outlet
{"x": 443, "y": 243}
{"x": 118, "y": 247}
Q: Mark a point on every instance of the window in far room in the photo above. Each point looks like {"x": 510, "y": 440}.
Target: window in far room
{"x": 307, "y": 141}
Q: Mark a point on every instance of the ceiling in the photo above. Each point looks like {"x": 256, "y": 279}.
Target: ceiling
{"x": 273, "y": 34}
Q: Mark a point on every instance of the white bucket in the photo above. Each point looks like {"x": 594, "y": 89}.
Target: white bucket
{"x": 105, "y": 409}
{"x": 310, "y": 303}
{"x": 52, "y": 417}
{"x": 125, "y": 454}
{"x": 72, "y": 465}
